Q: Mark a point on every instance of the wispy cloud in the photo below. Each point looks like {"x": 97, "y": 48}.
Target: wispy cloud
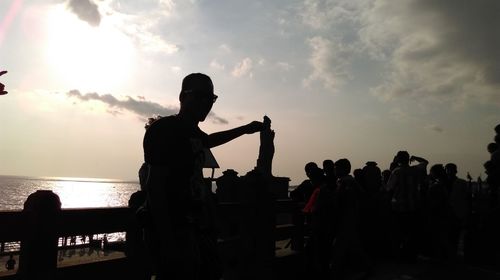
{"x": 139, "y": 106}
{"x": 86, "y": 10}
{"x": 435, "y": 128}
{"x": 284, "y": 66}
{"x": 329, "y": 61}
{"x": 243, "y": 68}
{"x": 225, "y": 48}
{"x": 216, "y": 65}
{"x": 142, "y": 27}
{"x": 166, "y": 6}
{"x": 323, "y": 14}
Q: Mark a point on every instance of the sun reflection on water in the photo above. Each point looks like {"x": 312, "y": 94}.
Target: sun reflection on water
{"x": 76, "y": 194}
{"x": 73, "y": 192}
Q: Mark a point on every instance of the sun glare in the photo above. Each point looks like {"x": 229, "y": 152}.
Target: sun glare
{"x": 85, "y": 56}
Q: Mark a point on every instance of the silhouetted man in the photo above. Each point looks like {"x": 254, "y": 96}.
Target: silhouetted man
{"x": 174, "y": 149}
{"x": 439, "y": 213}
{"x": 11, "y": 263}
{"x": 404, "y": 185}
{"x": 347, "y": 245}
{"x": 303, "y": 192}
{"x": 329, "y": 169}
{"x": 459, "y": 197}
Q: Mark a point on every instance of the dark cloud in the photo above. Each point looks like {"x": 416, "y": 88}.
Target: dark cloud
{"x": 435, "y": 128}
{"x": 86, "y": 10}
{"x": 143, "y": 108}
{"x": 438, "y": 50}
{"x": 471, "y": 30}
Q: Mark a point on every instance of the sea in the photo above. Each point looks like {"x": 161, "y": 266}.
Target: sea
{"x": 73, "y": 192}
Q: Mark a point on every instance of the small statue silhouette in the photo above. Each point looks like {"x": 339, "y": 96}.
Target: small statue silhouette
{"x": 266, "y": 149}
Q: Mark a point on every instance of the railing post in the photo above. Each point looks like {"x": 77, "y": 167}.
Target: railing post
{"x": 257, "y": 228}
{"x": 38, "y": 257}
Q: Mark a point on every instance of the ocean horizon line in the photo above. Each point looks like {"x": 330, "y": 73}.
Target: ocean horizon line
{"x": 71, "y": 179}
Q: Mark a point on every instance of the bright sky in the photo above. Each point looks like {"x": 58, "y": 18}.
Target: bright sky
{"x": 359, "y": 79}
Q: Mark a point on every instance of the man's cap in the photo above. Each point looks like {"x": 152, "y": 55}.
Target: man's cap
{"x": 197, "y": 82}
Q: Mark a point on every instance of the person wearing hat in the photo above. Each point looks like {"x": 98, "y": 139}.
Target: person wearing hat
{"x": 182, "y": 231}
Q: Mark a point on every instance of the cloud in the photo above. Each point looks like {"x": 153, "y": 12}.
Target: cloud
{"x": 284, "y": 66}
{"x": 139, "y": 106}
{"x": 243, "y": 68}
{"x": 166, "y": 6}
{"x": 323, "y": 14}
{"x": 435, "y": 128}
{"x": 216, "y": 119}
{"x": 86, "y": 10}
{"x": 329, "y": 60}
{"x": 225, "y": 48}
{"x": 436, "y": 50}
{"x": 143, "y": 23}
{"x": 216, "y": 65}
{"x": 150, "y": 42}
{"x": 176, "y": 69}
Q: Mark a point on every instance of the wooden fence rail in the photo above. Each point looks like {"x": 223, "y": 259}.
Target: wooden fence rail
{"x": 248, "y": 231}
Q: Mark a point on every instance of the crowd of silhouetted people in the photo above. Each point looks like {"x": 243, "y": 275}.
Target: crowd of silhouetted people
{"x": 405, "y": 213}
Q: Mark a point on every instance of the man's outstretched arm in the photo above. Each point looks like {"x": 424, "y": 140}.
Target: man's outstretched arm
{"x": 222, "y": 137}
{"x": 419, "y": 160}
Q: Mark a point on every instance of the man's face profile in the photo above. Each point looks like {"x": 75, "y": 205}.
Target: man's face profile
{"x": 197, "y": 96}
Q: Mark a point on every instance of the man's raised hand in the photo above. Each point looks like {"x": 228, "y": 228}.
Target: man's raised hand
{"x": 253, "y": 127}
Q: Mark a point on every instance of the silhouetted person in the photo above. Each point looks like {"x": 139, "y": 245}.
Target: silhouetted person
{"x": 347, "y": 249}
{"x": 372, "y": 177}
{"x": 72, "y": 241}
{"x": 372, "y": 209}
{"x": 2, "y": 86}
{"x": 319, "y": 208}
{"x": 11, "y": 263}
{"x": 105, "y": 242}
{"x": 135, "y": 249}
{"x": 439, "y": 213}
{"x": 403, "y": 185}
{"x": 359, "y": 177}
{"x": 492, "y": 147}
{"x": 317, "y": 180}
{"x": 386, "y": 174}
{"x": 182, "y": 228}
{"x": 459, "y": 199}
{"x": 303, "y": 192}
{"x": 329, "y": 170}
{"x": 394, "y": 163}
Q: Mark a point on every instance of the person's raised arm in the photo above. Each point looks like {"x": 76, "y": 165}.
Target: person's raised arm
{"x": 419, "y": 160}
{"x": 222, "y": 137}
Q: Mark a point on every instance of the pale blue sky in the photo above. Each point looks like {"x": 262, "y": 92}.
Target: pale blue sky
{"x": 360, "y": 79}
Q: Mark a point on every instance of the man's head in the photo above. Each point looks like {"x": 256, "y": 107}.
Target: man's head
{"x": 451, "y": 170}
{"x": 197, "y": 96}
{"x": 492, "y": 147}
{"x": 310, "y": 168}
{"x": 403, "y": 158}
{"x": 437, "y": 172}
{"x": 342, "y": 167}
{"x": 329, "y": 167}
